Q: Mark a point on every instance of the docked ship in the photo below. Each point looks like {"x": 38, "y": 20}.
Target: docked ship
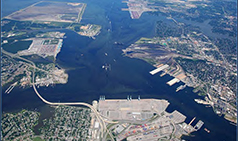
{"x": 199, "y": 101}
{"x": 162, "y": 74}
{"x": 181, "y": 87}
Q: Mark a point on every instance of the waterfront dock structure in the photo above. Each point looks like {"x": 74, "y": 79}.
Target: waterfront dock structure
{"x": 192, "y": 121}
{"x": 198, "y": 125}
{"x": 147, "y": 115}
{"x": 144, "y": 119}
{"x": 9, "y": 89}
{"x": 131, "y": 110}
{"x": 176, "y": 117}
{"x": 173, "y": 81}
{"x": 159, "y": 69}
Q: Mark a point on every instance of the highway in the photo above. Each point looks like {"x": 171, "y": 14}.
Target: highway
{"x": 100, "y": 119}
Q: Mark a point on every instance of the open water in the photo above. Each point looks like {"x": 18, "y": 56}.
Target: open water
{"x": 83, "y": 58}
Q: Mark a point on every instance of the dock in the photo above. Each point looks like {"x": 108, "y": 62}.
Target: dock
{"x": 10, "y": 88}
{"x": 198, "y": 125}
{"x": 192, "y": 121}
{"x": 173, "y": 81}
{"x": 132, "y": 109}
{"x": 159, "y": 69}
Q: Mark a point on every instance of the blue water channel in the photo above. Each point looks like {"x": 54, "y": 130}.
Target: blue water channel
{"x": 83, "y": 58}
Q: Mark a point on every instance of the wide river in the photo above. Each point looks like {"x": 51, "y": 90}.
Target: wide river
{"x": 84, "y": 57}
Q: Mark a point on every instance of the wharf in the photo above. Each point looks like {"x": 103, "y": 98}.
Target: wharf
{"x": 159, "y": 69}
{"x": 10, "y": 88}
{"x": 198, "y": 125}
{"x": 131, "y": 109}
{"x": 173, "y": 81}
{"x": 192, "y": 121}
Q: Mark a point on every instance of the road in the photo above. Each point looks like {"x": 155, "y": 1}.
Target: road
{"x": 100, "y": 119}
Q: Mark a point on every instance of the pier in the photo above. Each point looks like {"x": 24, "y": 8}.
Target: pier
{"x": 159, "y": 69}
{"x": 173, "y": 81}
{"x": 10, "y": 88}
{"x": 192, "y": 121}
{"x": 198, "y": 125}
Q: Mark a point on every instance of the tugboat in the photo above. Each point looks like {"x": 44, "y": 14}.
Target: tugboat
{"x": 208, "y": 131}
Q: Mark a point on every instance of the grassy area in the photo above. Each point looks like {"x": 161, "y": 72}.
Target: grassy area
{"x": 150, "y": 61}
{"x": 16, "y": 46}
{"x": 195, "y": 90}
{"x": 75, "y": 27}
{"x": 37, "y": 139}
{"x": 59, "y": 24}
{"x": 109, "y": 138}
{"x": 153, "y": 118}
{"x": 16, "y": 78}
{"x": 143, "y": 40}
{"x": 110, "y": 125}
{"x": 202, "y": 94}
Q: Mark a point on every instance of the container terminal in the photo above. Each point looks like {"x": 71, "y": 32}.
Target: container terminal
{"x": 140, "y": 119}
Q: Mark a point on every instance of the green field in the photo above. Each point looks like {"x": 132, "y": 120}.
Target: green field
{"x": 37, "y": 139}
{"x": 16, "y": 46}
